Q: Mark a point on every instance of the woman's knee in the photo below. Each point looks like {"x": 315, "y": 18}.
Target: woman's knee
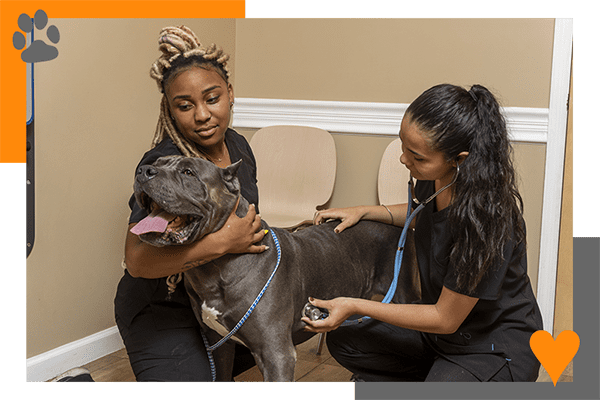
{"x": 167, "y": 355}
{"x": 340, "y": 343}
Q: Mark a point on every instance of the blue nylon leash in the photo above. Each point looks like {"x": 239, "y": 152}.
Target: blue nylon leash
{"x": 210, "y": 349}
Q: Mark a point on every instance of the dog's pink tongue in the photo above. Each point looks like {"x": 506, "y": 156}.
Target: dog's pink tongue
{"x": 155, "y": 222}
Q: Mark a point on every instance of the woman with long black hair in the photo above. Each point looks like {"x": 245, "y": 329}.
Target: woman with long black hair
{"x": 477, "y": 309}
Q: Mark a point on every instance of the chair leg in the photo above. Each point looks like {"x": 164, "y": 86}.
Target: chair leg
{"x": 321, "y": 343}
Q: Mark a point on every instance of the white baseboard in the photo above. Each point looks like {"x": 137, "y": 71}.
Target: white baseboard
{"x": 348, "y": 117}
{"x": 75, "y": 354}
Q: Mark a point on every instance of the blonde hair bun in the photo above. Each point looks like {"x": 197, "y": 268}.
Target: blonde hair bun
{"x": 177, "y": 41}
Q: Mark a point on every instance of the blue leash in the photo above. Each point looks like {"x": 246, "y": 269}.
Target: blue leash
{"x": 210, "y": 349}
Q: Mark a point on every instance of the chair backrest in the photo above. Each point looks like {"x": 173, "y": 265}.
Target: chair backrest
{"x": 296, "y": 168}
{"x": 392, "y": 181}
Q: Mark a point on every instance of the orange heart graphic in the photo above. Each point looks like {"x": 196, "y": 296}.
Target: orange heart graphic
{"x": 554, "y": 355}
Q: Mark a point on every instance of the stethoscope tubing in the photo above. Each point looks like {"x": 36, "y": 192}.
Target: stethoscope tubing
{"x": 433, "y": 196}
{"x": 400, "y": 251}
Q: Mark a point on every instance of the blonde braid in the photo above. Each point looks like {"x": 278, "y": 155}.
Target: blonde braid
{"x": 172, "y": 281}
{"x": 165, "y": 126}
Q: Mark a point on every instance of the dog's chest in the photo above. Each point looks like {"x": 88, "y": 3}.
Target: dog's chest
{"x": 210, "y": 316}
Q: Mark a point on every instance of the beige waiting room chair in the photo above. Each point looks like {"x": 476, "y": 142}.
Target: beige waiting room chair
{"x": 296, "y": 168}
{"x": 392, "y": 182}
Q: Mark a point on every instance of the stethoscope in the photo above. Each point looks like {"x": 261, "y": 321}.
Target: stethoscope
{"x": 411, "y": 188}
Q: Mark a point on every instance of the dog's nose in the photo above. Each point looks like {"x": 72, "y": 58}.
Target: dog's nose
{"x": 145, "y": 173}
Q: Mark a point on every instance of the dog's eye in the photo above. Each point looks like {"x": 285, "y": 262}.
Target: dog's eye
{"x": 188, "y": 172}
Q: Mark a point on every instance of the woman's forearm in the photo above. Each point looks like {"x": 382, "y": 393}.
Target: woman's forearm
{"x": 238, "y": 235}
{"x": 146, "y": 261}
{"x": 444, "y": 317}
{"x": 421, "y": 317}
{"x": 389, "y": 214}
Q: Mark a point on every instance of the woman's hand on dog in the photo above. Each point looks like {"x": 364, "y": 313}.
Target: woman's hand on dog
{"x": 240, "y": 235}
{"x": 349, "y": 216}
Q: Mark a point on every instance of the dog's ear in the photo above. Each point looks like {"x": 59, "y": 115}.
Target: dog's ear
{"x": 230, "y": 171}
{"x": 229, "y": 174}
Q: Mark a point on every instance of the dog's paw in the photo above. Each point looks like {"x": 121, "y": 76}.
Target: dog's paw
{"x": 38, "y": 50}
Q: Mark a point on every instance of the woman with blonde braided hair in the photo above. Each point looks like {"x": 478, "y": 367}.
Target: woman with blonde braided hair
{"x": 154, "y": 316}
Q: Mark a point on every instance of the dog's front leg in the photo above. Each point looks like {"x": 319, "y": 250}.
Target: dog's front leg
{"x": 277, "y": 361}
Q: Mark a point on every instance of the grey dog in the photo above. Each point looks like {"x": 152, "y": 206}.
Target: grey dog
{"x": 197, "y": 197}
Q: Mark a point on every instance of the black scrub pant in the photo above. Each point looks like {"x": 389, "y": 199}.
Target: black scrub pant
{"x": 375, "y": 351}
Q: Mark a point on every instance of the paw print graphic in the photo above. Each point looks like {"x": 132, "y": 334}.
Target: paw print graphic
{"x": 37, "y": 51}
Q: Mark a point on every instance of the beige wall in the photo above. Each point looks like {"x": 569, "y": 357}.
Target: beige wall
{"x": 393, "y": 60}
{"x": 96, "y": 110}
